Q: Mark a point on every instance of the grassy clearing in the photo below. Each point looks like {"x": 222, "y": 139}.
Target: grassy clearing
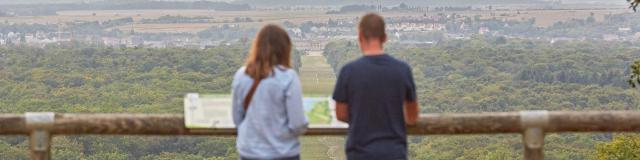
{"x": 316, "y": 76}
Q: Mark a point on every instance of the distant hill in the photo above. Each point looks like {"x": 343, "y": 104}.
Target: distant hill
{"x": 386, "y": 2}
{"x": 5, "y": 2}
{"x": 39, "y": 9}
{"x": 594, "y": 1}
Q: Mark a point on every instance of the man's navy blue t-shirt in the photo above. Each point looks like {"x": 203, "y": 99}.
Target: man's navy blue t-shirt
{"x": 375, "y": 88}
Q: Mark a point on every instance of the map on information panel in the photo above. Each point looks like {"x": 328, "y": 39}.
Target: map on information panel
{"x": 214, "y": 111}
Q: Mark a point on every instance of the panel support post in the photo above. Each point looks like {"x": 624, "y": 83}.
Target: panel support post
{"x": 533, "y": 124}
{"x": 40, "y": 125}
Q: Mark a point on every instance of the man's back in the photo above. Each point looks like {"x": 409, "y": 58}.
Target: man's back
{"x": 375, "y": 89}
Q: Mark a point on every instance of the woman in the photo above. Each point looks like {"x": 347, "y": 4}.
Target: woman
{"x": 267, "y": 100}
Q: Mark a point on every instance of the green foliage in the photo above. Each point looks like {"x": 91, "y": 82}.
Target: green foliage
{"x": 86, "y": 79}
{"x": 107, "y": 80}
{"x": 633, "y": 4}
{"x": 466, "y": 147}
{"x": 621, "y": 148}
{"x": 501, "y": 153}
{"x": 634, "y": 80}
{"x": 476, "y": 75}
{"x": 17, "y": 152}
{"x": 63, "y": 148}
{"x": 110, "y": 156}
{"x": 173, "y": 156}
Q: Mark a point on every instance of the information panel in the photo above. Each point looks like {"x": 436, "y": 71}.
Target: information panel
{"x": 214, "y": 111}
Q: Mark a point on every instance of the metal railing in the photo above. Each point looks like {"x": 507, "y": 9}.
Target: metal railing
{"x": 531, "y": 124}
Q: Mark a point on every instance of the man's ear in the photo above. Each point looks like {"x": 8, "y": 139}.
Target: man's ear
{"x": 383, "y": 39}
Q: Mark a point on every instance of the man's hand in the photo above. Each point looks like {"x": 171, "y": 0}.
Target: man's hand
{"x": 342, "y": 112}
{"x": 411, "y": 112}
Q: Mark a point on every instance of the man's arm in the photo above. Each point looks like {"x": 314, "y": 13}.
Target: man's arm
{"x": 411, "y": 112}
{"x": 341, "y": 95}
{"x": 342, "y": 112}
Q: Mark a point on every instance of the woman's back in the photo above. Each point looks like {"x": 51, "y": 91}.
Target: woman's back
{"x": 270, "y": 127}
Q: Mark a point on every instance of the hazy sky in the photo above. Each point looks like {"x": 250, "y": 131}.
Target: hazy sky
{"x": 69, "y": 1}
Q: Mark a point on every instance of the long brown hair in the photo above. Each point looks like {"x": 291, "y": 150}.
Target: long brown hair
{"x": 271, "y": 47}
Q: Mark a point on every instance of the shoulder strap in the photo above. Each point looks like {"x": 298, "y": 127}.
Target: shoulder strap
{"x": 247, "y": 99}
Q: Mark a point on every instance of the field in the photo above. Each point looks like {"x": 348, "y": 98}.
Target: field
{"x": 219, "y": 18}
{"x": 546, "y": 18}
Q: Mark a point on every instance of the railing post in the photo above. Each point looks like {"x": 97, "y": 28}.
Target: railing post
{"x": 40, "y": 145}
{"x": 40, "y": 125}
{"x": 533, "y": 123}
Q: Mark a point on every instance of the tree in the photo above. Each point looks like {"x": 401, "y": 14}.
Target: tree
{"x": 634, "y": 80}
{"x": 635, "y": 75}
{"x": 622, "y": 147}
{"x": 633, "y": 4}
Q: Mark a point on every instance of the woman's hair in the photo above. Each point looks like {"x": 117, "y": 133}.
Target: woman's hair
{"x": 271, "y": 47}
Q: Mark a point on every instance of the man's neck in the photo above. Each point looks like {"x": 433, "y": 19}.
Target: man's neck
{"x": 373, "y": 52}
{"x": 372, "y": 48}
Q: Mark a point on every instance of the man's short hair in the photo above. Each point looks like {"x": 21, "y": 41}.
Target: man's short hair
{"x": 372, "y": 26}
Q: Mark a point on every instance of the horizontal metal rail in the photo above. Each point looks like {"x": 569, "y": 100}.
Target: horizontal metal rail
{"x": 532, "y": 124}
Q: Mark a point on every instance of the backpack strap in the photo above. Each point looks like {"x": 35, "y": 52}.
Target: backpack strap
{"x": 247, "y": 99}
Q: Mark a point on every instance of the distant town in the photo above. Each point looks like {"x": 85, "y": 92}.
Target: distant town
{"x": 406, "y": 24}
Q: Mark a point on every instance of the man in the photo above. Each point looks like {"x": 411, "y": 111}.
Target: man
{"x": 376, "y": 95}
